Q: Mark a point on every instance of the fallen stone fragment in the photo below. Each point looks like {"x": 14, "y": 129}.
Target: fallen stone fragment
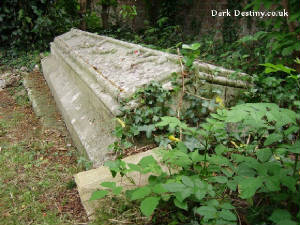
{"x": 89, "y": 181}
{"x": 9, "y": 79}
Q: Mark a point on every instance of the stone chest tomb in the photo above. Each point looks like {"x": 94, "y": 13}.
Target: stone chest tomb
{"x": 90, "y": 74}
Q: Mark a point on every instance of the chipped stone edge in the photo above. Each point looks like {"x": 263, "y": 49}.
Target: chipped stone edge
{"x": 89, "y": 181}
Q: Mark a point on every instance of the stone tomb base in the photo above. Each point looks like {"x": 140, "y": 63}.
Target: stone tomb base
{"x": 90, "y": 74}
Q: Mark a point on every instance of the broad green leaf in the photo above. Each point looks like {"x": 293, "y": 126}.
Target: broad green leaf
{"x": 200, "y": 194}
{"x": 108, "y": 184}
{"x": 159, "y": 189}
{"x": 181, "y": 146}
{"x": 232, "y": 185}
{"x": 226, "y": 205}
{"x": 213, "y": 202}
{"x": 294, "y": 148}
{"x": 148, "y": 205}
{"x": 196, "y": 157}
{"x": 227, "y": 171}
{"x": 219, "y": 179}
{"x": 264, "y": 154}
{"x": 117, "y": 190}
{"x": 245, "y": 170}
{"x": 147, "y": 160}
{"x": 248, "y": 186}
{"x": 272, "y": 138}
{"x": 220, "y": 149}
{"x": 181, "y": 195}
{"x": 227, "y": 215}
{"x": 235, "y": 116}
{"x": 134, "y": 167}
{"x": 140, "y": 193}
{"x": 218, "y": 160}
{"x": 174, "y": 187}
{"x": 187, "y": 181}
{"x": 274, "y": 68}
{"x": 181, "y": 205}
{"x": 291, "y": 130}
{"x": 289, "y": 182}
{"x": 280, "y": 214}
{"x": 194, "y": 46}
{"x": 208, "y": 212}
{"x": 224, "y": 222}
{"x": 272, "y": 183}
{"x": 287, "y": 222}
{"x": 98, "y": 194}
{"x": 176, "y": 158}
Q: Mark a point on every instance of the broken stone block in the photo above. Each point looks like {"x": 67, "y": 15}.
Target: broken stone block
{"x": 90, "y": 74}
{"x": 9, "y": 79}
{"x": 89, "y": 181}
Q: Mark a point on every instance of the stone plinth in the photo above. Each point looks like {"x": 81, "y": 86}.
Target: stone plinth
{"x": 90, "y": 74}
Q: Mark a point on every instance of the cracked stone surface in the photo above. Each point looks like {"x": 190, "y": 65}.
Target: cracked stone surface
{"x": 89, "y": 75}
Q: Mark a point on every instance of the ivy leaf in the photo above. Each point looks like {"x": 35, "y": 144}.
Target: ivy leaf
{"x": 98, "y": 194}
{"x": 172, "y": 122}
{"x": 148, "y": 129}
{"x": 248, "y": 186}
{"x": 264, "y": 154}
{"x": 140, "y": 193}
{"x": 227, "y": 215}
{"x": 148, "y": 205}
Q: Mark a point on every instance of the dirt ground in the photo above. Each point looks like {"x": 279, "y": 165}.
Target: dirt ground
{"x": 36, "y": 167}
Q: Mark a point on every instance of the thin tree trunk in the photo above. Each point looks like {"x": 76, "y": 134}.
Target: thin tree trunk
{"x": 83, "y": 4}
{"x": 104, "y": 15}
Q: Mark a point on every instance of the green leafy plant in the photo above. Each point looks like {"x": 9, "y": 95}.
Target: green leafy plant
{"x": 278, "y": 84}
{"x": 243, "y": 153}
{"x": 28, "y": 24}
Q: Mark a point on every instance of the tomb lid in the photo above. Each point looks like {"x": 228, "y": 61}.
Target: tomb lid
{"x": 122, "y": 67}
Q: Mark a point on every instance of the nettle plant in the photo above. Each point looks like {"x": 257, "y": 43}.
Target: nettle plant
{"x": 279, "y": 84}
{"x": 241, "y": 161}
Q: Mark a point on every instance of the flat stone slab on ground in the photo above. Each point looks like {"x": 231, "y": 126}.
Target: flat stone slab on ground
{"x": 89, "y": 181}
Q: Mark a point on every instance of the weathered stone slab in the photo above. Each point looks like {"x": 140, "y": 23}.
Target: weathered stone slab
{"x": 90, "y": 74}
{"x": 89, "y": 181}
